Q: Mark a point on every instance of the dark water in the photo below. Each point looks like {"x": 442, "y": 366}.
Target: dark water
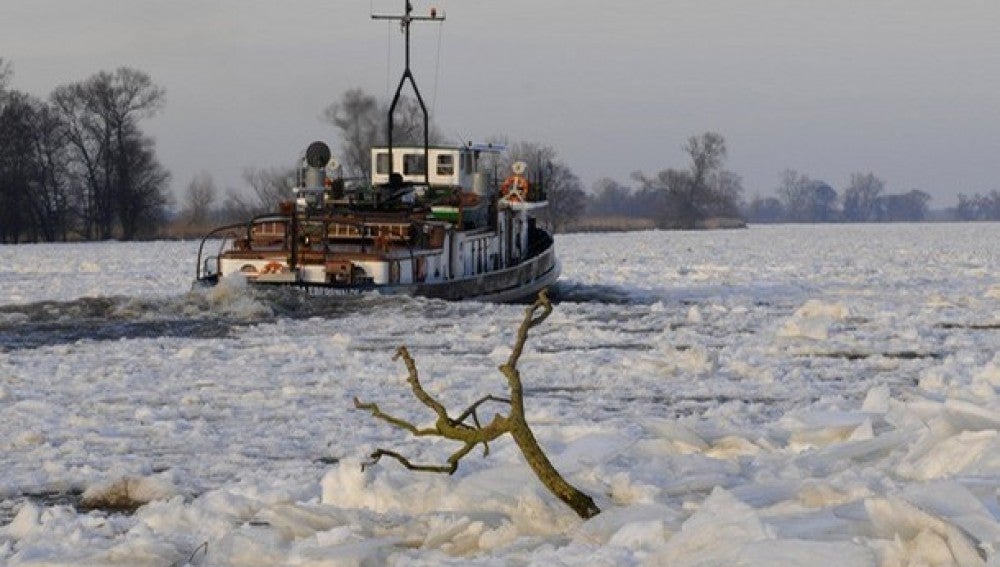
{"x": 49, "y": 323}
{"x": 194, "y": 315}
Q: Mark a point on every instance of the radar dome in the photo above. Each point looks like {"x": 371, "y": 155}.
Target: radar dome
{"x": 317, "y": 154}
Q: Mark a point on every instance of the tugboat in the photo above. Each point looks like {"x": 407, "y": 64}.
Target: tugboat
{"x": 429, "y": 222}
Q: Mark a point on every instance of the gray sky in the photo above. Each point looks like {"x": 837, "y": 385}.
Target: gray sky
{"x": 907, "y": 89}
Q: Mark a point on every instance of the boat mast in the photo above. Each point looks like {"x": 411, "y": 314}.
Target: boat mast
{"x": 405, "y": 21}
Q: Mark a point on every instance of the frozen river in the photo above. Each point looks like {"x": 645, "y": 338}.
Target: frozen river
{"x": 783, "y": 395}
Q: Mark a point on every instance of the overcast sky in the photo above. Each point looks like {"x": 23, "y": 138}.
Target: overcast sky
{"x": 906, "y": 89}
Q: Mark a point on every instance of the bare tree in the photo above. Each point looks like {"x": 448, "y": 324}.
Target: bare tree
{"x": 476, "y": 433}
{"x": 81, "y": 155}
{"x": 84, "y": 136}
{"x": 142, "y": 203}
{"x": 726, "y": 195}
{"x": 236, "y": 207}
{"x": 408, "y": 124}
{"x": 861, "y": 197}
{"x": 979, "y": 206}
{"x": 564, "y": 191}
{"x": 356, "y": 117}
{"x": 124, "y": 183}
{"x": 805, "y": 199}
{"x": 199, "y": 197}
{"x": 608, "y": 197}
{"x": 51, "y": 196}
{"x": 703, "y": 191}
{"x": 794, "y": 197}
{"x": 708, "y": 153}
{"x": 271, "y": 186}
{"x": 966, "y": 209}
{"x": 34, "y": 181}
{"x": 362, "y": 122}
{"x": 122, "y": 98}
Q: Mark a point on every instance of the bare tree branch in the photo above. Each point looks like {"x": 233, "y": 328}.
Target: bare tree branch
{"x": 400, "y": 423}
{"x": 472, "y": 435}
{"x": 449, "y": 468}
{"x": 471, "y": 410}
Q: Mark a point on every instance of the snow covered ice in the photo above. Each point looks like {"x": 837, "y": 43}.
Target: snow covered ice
{"x": 786, "y": 395}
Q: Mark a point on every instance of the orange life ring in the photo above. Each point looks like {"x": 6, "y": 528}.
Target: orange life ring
{"x": 272, "y": 268}
{"x": 515, "y": 189}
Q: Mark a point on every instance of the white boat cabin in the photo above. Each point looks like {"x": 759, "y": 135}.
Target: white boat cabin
{"x": 450, "y": 166}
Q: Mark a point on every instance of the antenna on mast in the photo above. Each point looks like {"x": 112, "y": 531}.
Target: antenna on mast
{"x": 404, "y": 21}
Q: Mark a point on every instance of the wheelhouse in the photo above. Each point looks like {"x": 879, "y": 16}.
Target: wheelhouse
{"x": 449, "y": 166}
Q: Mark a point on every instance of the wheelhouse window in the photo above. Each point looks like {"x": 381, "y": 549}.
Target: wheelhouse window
{"x": 382, "y": 163}
{"x": 446, "y": 165}
{"x": 414, "y": 164}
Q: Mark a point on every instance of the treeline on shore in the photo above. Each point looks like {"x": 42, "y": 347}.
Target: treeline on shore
{"x": 78, "y": 165}
{"x": 799, "y": 199}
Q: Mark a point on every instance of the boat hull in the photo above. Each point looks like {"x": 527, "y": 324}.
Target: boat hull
{"x": 509, "y": 285}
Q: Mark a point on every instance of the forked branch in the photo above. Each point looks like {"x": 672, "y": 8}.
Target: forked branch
{"x": 473, "y": 434}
